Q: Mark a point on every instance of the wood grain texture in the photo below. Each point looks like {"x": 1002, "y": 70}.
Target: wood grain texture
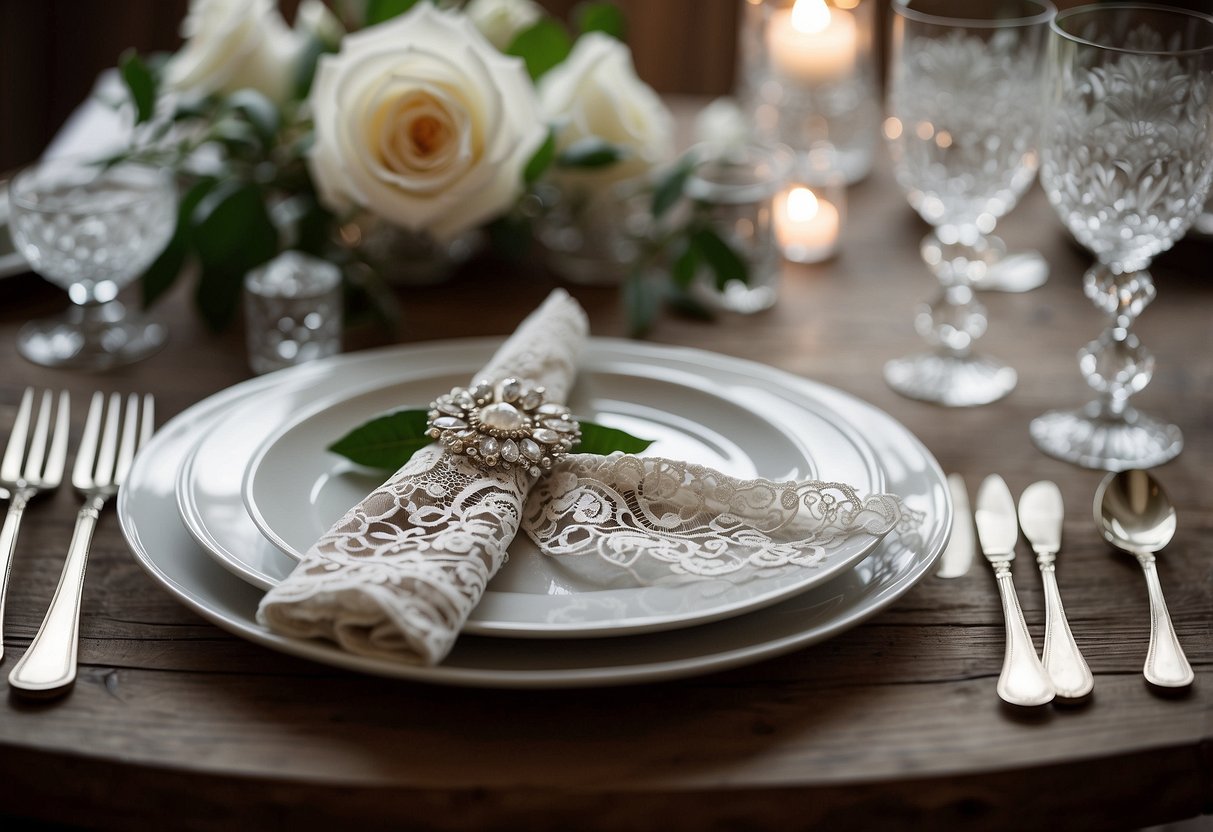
{"x": 894, "y": 724}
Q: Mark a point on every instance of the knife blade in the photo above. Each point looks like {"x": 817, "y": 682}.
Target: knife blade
{"x": 1041, "y": 512}
{"x": 1023, "y": 680}
{"x": 958, "y": 556}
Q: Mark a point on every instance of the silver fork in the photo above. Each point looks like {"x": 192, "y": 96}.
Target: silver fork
{"x": 30, "y": 466}
{"x": 49, "y": 666}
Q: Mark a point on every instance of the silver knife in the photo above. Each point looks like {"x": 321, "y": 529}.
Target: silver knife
{"x": 1023, "y": 680}
{"x": 1040, "y": 515}
{"x": 958, "y": 556}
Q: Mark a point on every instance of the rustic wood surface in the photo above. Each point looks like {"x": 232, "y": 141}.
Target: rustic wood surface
{"x": 890, "y": 725}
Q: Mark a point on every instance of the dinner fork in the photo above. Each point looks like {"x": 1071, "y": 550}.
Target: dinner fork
{"x": 29, "y": 467}
{"x": 49, "y": 666}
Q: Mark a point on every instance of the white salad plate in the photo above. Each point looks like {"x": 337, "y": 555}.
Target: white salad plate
{"x": 692, "y": 406}
{"x": 174, "y": 559}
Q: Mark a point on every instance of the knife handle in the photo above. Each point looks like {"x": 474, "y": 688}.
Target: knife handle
{"x": 1061, "y": 656}
{"x": 1023, "y": 680}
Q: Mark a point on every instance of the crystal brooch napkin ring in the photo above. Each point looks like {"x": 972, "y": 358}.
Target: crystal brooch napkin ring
{"x": 503, "y": 424}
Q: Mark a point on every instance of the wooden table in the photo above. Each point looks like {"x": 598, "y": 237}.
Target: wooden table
{"x": 891, "y": 724}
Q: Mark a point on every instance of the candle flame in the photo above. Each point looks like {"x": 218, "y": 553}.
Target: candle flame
{"x": 810, "y": 16}
{"x": 802, "y": 205}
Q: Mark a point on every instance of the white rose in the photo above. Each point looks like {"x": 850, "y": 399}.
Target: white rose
{"x": 316, "y": 20}
{"x": 232, "y": 45}
{"x": 422, "y": 122}
{"x": 596, "y": 92}
{"x": 502, "y": 20}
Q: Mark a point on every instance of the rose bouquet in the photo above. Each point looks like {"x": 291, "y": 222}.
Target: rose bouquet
{"x": 433, "y": 120}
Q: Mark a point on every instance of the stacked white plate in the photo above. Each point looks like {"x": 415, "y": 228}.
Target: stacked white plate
{"x": 226, "y": 497}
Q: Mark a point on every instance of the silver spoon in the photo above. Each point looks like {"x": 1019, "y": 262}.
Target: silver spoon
{"x": 1134, "y": 515}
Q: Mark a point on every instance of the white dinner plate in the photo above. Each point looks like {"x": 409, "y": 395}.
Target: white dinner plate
{"x": 146, "y": 505}
{"x": 733, "y": 416}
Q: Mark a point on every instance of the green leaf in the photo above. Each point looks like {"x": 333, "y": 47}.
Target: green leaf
{"x": 687, "y": 305}
{"x": 232, "y": 234}
{"x": 163, "y": 273}
{"x": 685, "y": 265}
{"x": 642, "y": 302}
{"x": 670, "y": 187}
{"x": 387, "y": 441}
{"x": 720, "y": 257}
{"x": 598, "y": 439}
{"x": 259, "y": 111}
{"x": 141, "y": 84}
{"x": 589, "y": 153}
{"x": 601, "y": 17}
{"x": 378, "y": 11}
{"x": 305, "y": 67}
{"x": 511, "y": 236}
{"x": 542, "y": 160}
{"x": 542, "y": 46}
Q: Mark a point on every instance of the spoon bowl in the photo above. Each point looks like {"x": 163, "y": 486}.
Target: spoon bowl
{"x": 1134, "y": 515}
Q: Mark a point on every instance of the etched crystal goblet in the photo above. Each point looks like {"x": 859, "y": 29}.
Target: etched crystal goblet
{"x": 964, "y": 109}
{"x": 1127, "y": 160}
{"x": 91, "y": 229}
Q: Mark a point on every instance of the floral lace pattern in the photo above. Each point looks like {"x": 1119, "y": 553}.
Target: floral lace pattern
{"x": 662, "y": 520}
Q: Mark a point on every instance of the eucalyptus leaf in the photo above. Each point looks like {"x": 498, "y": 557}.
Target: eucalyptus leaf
{"x": 589, "y": 153}
{"x": 601, "y": 17}
{"x": 542, "y": 46}
{"x": 542, "y": 160}
{"x": 642, "y": 303}
{"x": 387, "y": 442}
{"x": 259, "y": 111}
{"x": 377, "y": 11}
{"x": 724, "y": 262}
{"x": 140, "y": 82}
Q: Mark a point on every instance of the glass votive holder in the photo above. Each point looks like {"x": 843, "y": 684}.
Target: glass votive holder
{"x": 810, "y": 213}
{"x": 292, "y": 309}
{"x": 736, "y": 190}
{"x": 807, "y": 74}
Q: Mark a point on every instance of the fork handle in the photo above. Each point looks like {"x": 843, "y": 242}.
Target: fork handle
{"x": 8, "y": 544}
{"x": 50, "y": 663}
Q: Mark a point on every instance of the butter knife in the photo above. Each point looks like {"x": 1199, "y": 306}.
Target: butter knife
{"x": 1023, "y": 680}
{"x": 958, "y": 555}
{"x": 1040, "y": 515}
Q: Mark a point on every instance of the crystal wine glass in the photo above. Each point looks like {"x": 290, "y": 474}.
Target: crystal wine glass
{"x": 91, "y": 229}
{"x": 963, "y": 114}
{"x": 1127, "y": 159}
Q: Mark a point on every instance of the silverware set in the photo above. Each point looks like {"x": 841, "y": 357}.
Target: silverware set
{"x": 1133, "y": 514}
{"x": 35, "y": 463}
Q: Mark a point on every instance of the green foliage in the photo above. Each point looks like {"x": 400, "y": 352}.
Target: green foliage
{"x": 542, "y": 160}
{"x": 163, "y": 273}
{"x": 232, "y": 233}
{"x": 140, "y": 82}
{"x": 720, "y": 257}
{"x": 377, "y": 11}
{"x": 389, "y": 441}
{"x": 541, "y": 46}
{"x": 589, "y": 153}
{"x": 669, "y": 188}
{"x": 601, "y": 17}
{"x": 258, "y": 111}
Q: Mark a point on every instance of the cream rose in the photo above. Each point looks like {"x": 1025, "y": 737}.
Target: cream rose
{"x": 423, "y": 123}
{"x": 596, "y": 92}
{"x": 232, "y": 45}
{"x": 501, "y": 20}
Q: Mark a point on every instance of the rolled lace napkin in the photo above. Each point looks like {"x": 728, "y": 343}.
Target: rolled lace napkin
{"x": 398, "y": 576}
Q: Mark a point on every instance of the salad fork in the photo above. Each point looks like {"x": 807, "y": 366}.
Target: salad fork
{"x": 49, "y": 666}
{"x": 30, "y": 466}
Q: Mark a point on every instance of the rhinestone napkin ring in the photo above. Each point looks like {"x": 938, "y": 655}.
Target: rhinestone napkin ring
{"x": 506, "y": 424}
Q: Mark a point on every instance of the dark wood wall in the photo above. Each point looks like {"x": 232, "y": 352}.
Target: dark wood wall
{"x": 52, "y": 50}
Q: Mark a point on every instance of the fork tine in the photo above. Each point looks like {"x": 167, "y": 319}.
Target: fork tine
{"x": 109, "y": 441}
{"x": 37, "y": 445}
{"x": 10, "y": 468}
{"x": 57, "y": 458}
{"x": 149, "y": 419}
{"x": 82, "y": 473}
{"x": 130, "y": 434}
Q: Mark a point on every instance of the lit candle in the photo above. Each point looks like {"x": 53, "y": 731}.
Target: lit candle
{"x": 806, "y": 225}
{"x": 811, "y": 42}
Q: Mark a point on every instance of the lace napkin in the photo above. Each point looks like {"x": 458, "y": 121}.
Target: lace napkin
{"x": 398, "y": 576}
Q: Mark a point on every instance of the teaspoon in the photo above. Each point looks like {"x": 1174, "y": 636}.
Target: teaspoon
{"x": 1134, "y": 515}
